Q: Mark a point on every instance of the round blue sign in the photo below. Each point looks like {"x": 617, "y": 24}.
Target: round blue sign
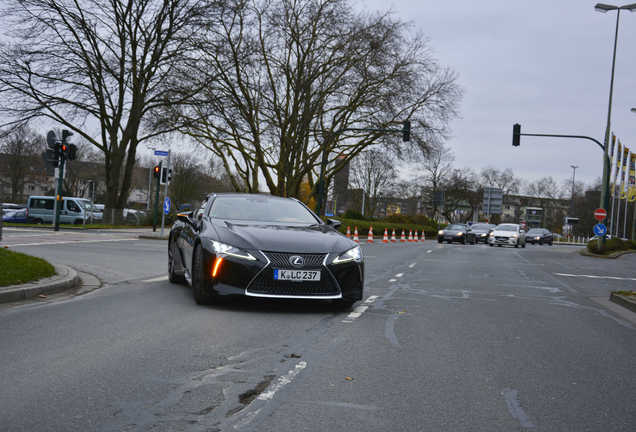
{"x": 600, "y": 229}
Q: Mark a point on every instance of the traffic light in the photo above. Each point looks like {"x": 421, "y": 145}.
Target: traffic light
{"x": 72, "y": 152}
{"x": 156, "y": 171}
{"x": 64, "y": 150}
{"x": 406, "y": 130}
{"x": 169, "y": 175}
{"x": 516, "y": 134}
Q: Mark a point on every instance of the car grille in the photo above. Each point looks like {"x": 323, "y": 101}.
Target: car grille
{"x": 281, "y": 259}
{"x": 265, "y": 284}
{"x": 501, "y": 239}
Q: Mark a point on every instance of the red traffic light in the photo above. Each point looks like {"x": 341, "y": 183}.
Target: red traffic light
{"x": 64, "y": 148}
{"x": 156, "y": 170}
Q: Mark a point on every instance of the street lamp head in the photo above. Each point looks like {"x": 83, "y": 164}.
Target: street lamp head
{"x": 629, "y": 7}
{"x": 602, "y": 7}
{"x": 633, "y": 110}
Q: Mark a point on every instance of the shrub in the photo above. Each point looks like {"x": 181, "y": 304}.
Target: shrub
{"x": 611, "y": 245}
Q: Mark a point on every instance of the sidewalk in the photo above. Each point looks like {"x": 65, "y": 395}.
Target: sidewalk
{"x": 66, "y": 278}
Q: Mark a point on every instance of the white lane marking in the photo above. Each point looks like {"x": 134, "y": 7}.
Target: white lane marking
{"x": 282, "y": 381}
{"x": 411, "y": 265}
{"x": 157, "y": 279}
{"x": 71, "y": 242}
{"x": 392, "y": 280}
{"x": 429, "y": 251}
{"x": 399, "y": 275}
{"x": 515, "y": 410}
{"x": 596, "y": 277}
{"x": 358, "y": 311}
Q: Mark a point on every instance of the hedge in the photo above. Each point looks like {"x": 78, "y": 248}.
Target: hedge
{"x": 379, "y": 226}
{"x": 611, "y": 245}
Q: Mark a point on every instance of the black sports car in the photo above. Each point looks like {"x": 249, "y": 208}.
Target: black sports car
{"x": 540, "y": 236}
{"x": 452, "y": 233}
{"x": 263, "y": 246}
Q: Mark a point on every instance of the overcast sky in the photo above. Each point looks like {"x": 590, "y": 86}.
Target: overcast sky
{"x": 544, "y": 64}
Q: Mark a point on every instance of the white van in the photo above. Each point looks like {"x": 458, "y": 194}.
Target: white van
{"x": 41, "y": 210}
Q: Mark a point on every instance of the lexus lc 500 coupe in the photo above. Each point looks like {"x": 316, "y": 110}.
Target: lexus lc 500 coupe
{"x": 263, "y": 246}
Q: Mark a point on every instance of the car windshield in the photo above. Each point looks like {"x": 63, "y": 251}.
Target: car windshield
{"x": 261, "y": 209}
{"x": 455, "y": 227}
{"x": 480, "y": 227}
{"x": 506, "y": 228}
{"x": 535, "y": 231}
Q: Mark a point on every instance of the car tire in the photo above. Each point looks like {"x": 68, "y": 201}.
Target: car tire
{"x": 498, "y": 245}
{"x": 523, "y": 245}
{"x": 491, "y": 245}
{"x": 516, "y": 245}
{"x": 540, "y": 242}
{"x": 38, "y": 221}
{"x": 201, "y": 296}
{"x": 550, "y": 243}
{"x": 173, "y": 276}
{"x": 439, "y": 241}
{"x": 78, "y": 222}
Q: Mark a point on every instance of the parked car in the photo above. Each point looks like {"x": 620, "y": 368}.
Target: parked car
{"x": 507, "y": 234}
{"x": 539, "y": 236}
{"x": 16, "y": 216}
{"x": 93, "y": 214}
{"x": 41, "y": 210}
{"x": 10, "y": 206}
{"x": 452, "y": 233}
{"x": 478, "y": 233}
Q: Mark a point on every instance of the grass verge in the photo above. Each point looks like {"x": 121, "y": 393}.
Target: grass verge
{"x": 18, "y": 268}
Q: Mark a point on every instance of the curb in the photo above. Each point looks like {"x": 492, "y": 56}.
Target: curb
{"x": 152, "y": 237}
{"x": 622, "y": 300}
{"x": 614, "y": 255}
{"x": 66, "y": 278}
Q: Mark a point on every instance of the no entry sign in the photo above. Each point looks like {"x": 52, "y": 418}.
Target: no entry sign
{"x": 600, "y": 214}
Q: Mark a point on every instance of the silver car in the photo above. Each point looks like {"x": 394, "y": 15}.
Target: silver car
{"x": 507, "y": 234}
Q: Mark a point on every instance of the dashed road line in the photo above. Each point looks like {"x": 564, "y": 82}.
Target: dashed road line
{"x": 596, "y": 277}
{"x": 282, "y": 381}
{"x": 515, "y": 410}
{"x": 411, "y": 265}
{"x": 429, "y": 251}
{"x": 399, "y": 275}
{"x": 157, "y": 279}
{"x": 392, "y": 280}
{"x": 358, "y": 311}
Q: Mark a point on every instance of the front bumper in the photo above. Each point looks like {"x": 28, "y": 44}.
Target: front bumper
{"x": 451, "y": 237}
{"x": 238, "y": 277}
{"x": 501, "y": 240}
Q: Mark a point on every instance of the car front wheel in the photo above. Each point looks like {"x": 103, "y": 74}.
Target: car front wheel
{"x": 173, "y": 276}
{"x": 201, "y": 295}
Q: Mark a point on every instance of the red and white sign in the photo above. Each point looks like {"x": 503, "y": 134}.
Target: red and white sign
{"x": 600, "y": 214}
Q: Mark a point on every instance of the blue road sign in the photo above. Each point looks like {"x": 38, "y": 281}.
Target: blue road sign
{"x": 161, "y": 153}
{"x": 600, "y": 229}
{"x": 166, "y": 205}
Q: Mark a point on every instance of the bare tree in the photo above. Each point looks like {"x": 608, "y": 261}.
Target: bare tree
{"x": 291, "y": 80}
{"x": 437, "y": 168}
{"x": 20, "y": 151}
{"x": 108, "y": 63}
{"x": 372, "y": 171}
{"x": 504, "y": 180}
{"x": 463, "y": 195}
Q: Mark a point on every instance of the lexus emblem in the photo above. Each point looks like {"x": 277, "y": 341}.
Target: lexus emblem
{"x": 296, "y": 261}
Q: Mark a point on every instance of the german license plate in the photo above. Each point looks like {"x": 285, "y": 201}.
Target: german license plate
{"x": 297, "y": 275}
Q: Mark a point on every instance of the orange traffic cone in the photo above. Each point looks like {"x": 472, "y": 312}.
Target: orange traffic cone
{"x": 423, "y": 236}
{"x": 410, "y": 235}
{"x": 355, "y": 235}
{"x": 370, "y": 236}
{"x": 403, "y": 237}
{"x": 393, "y": 239}
{"x": 385, "y": 239}
{"x": 415, "y": 238}
{"x": 348, "y": 231}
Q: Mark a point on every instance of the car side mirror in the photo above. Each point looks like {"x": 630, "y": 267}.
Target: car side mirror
{"x": 185, "y": 217}
{"x": 334, "y": 223}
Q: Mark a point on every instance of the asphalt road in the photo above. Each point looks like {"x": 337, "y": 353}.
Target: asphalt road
{"x": 448, "y": 338}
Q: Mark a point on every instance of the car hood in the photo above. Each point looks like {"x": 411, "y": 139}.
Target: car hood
{"x": 447, "y": 231}
{"x": 480, "y": 231}
{"x": 283, "y": 238}
{"x": 503, "y": 233}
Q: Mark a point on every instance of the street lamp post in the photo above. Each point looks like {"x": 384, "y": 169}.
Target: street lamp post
{"x": 574, "y": 167}
{"x": 633, "y": 207}
{"x": 604, "y": 8}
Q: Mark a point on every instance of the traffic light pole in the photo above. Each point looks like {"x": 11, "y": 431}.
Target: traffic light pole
{"x": 163, "y": 212}
{"x": 58, "y": 194}
{"x": 154, "y": 218}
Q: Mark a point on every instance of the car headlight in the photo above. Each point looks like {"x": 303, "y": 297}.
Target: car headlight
{"x": 440, "y": 232}
{"x": 483, "y": 234}
{"x": 514, "y": 235}
{"x": 353, "y": 254}
{"x": 460, "y": 233}
{"x": 492, "y": 234}
{"x": 226, "y": 249}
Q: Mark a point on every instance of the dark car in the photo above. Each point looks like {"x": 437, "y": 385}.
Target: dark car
{"x": 540, "y": 236}
{"x": 16, "y": 216}
{"x": 452, "y": 233}
{"x": 263, "y": 246}
{"x": 478, "y": 233}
